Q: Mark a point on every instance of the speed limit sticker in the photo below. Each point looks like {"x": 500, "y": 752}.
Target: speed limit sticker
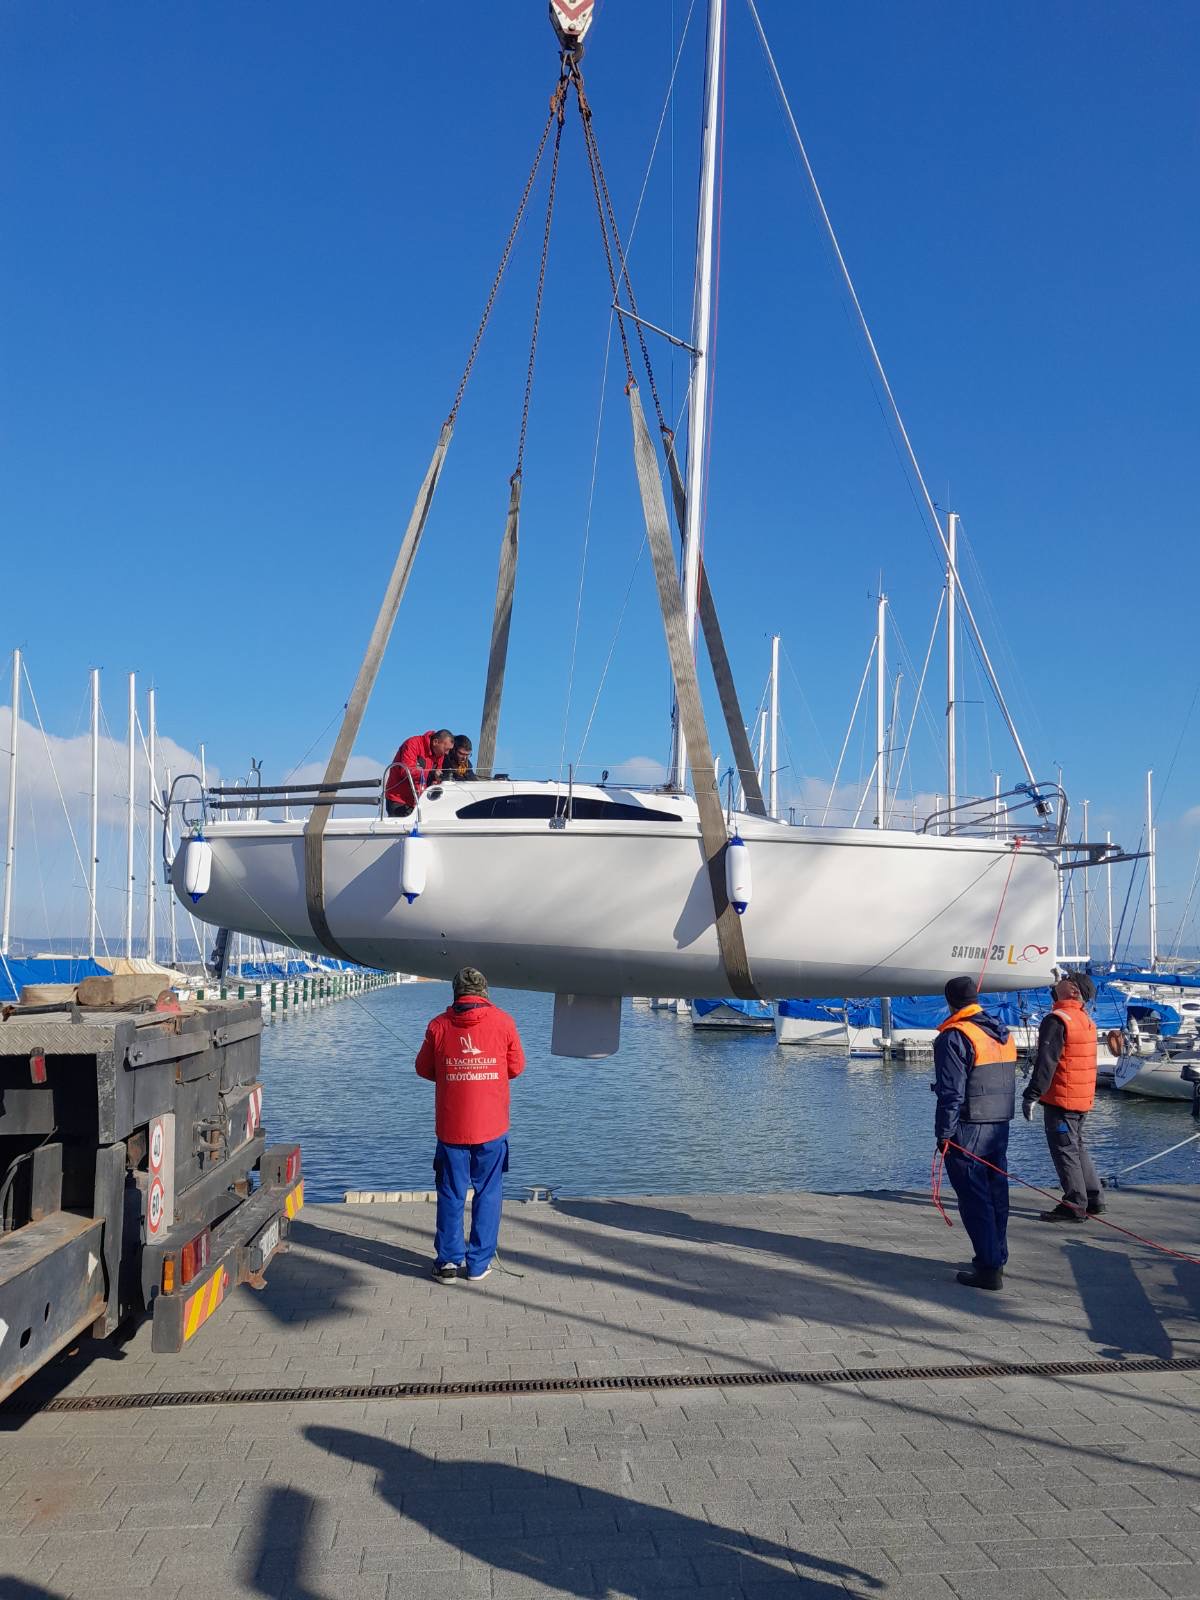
{"x": 155, "y": 1207}
{"x": 156, "y": 1145}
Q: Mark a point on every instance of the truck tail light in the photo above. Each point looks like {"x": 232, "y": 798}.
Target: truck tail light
{"x": 292, "y": 1170}
{"x": 37, "y": 1067}
{"x": 194, "y": 1256}
{"x": 168, "y": 1275}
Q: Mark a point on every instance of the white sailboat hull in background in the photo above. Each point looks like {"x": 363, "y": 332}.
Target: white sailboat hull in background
{"x": 625, "y": 907}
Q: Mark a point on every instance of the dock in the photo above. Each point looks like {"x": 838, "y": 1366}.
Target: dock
{"x": 683, "y": 1398}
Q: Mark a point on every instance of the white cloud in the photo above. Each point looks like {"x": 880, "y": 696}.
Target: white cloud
{"x": 54, "y": 781}
{"x": 638, "y": 770}
{"x": 1191, "y": 817}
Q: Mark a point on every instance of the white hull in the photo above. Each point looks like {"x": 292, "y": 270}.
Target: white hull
{"x": 1153, "y": 1079}
{"x": 808, "y": 1030}
{"x": 869, "y": 1041}
{"x": 624, "y": 907}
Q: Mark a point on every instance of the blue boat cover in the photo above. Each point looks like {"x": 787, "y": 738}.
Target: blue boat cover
{"x": 758, "y": 1010}
{"x": 1015, "y": 1008}
{"x": 17, "y": 971}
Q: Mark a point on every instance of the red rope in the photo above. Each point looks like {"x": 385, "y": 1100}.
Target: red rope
{"x": 935, "y": 1179}
{"x": 987, "y": 953}
{"x": 1013, "y": 1176}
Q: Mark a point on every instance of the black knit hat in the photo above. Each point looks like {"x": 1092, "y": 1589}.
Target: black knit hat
{"x": 1081, "y": 980}
{"x": 961, "y": 992}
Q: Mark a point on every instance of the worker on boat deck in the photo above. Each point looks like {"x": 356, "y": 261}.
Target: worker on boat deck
{"x": 414, "y": 765}
{"x": 471, "y": 1050}
{"x": 1064, "y": 1080}
{"x": 456, "y": 768}
{"x": 975, "y": 1080}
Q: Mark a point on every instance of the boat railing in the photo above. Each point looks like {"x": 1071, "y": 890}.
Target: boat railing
{"x": 243, "y": 802}
{"x": 1030, "y": 811}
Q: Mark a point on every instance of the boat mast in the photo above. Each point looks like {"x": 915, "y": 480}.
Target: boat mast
{"x": 880, "y": 709}
{"x": 951, "y": 668}
{"x": 773, "y": 775}
{"x": 171, "y": 854}
{"x": 1087, "y": 896}
{"x": 131, "y": 775}
{"x": 10, "y": 843}
{"x": 94, "y": 814}
{"x": 762, "y": 746}
{"x": 885, "y": 1004}
{"x": 1112, "y": 954}
{"x": 701, "y": 329}
{"x": 1151, "y": 875}
{"x": 151, "y": 863}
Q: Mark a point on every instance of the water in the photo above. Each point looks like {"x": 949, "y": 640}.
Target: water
{"x": 680, "y": 1110}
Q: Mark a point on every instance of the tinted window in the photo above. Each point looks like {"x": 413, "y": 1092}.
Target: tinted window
{"x": 543, "y": 807}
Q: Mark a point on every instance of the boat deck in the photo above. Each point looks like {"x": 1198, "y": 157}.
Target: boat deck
{"x": 718, "y": 1469}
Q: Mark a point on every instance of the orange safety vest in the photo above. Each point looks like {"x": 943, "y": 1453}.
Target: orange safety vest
{"x": 1073, "y": 1086}
{"x": 987, "y": 1050}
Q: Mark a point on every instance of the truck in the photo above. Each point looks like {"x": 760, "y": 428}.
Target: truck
{"x": 135, "y": 1174}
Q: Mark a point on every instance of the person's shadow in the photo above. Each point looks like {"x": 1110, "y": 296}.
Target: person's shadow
{"x": 578, "y": 1540}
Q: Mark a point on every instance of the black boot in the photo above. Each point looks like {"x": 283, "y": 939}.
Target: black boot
{"x": 1062, "y": 1213}
{"x": 1095, "y": 1204}
{"x": 982, "y": 1278}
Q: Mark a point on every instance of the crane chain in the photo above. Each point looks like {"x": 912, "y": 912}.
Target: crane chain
{"x": 558, "y": 108}
{"x": 555, "y": 100}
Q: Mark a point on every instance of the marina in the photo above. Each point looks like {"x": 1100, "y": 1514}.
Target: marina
{"x": 692, "y": 1135}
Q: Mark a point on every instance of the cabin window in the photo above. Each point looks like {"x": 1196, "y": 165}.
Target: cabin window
{"x": 545, "y": 807}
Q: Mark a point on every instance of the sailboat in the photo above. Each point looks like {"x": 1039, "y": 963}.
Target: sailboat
{"x": 594, "y": 892}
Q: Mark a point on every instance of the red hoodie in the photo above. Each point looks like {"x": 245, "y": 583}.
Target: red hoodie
{"x": 411, "y": 767}
{"x": 471, "y": 1050}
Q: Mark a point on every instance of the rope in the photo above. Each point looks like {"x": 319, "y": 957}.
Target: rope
{"x": 1070, "y": 1205}
{"x": 935, "y": 1182}
{"x": 1168, "y": 1151}
{"x": 987, "y": 954}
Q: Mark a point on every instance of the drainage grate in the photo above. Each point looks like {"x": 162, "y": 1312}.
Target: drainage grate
{"x": 536, "y": 1386}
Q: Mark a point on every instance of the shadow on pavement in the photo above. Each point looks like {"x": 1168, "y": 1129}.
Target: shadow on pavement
{"x": 18, "y": 1589}
{"x": 281, "y": 1549}
{"x": 577, "y": 1540}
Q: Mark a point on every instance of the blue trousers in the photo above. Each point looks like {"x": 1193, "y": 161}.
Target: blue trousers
{"x": 982, "y": 1194}
{"x": 457, "y": 1168}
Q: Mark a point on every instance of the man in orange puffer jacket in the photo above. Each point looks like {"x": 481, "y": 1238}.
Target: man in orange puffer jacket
{"x": 1064, "y": 1080}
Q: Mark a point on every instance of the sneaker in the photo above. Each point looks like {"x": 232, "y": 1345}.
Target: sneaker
{"x": 1062, "y": 1214}
{"x": 474, "y": 1277}
{"x": 445, "y": 1272}
{"x": 982, "y": 1278}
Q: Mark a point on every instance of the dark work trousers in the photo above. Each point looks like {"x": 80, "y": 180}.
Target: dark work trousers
{"x": 982, "y": 1193}
{"x": 1064, "y": 1135}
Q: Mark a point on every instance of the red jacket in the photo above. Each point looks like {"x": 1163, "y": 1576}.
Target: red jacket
{"x": 411, "y": 768}
{"x": 471, "y": 1050}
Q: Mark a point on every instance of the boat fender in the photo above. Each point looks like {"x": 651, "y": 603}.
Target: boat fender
{"x": 1115, "y": 1042}
{"x": 738, "y": 883}
{"x": 414, "y": 864}
{"x": 197, "y": 867}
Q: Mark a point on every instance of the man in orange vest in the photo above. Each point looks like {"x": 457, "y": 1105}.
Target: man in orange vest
{"x": 1064, "y": 1080}
{"x": 975, "y": 1080}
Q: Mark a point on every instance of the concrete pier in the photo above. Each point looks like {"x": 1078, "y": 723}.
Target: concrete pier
{"x": 1036, "y": 1487}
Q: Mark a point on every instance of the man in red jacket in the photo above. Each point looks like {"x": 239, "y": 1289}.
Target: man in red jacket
{"x": 413, "y": 766}
{"x": 471, "y": 1050}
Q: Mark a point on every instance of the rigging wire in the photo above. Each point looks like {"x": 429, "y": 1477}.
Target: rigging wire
{"x": 942, "y": 548}
{"x": 918, "y": 700}
{"x": 825, "y": 751}
{"x": 62, "y": 800}
{"x": 849, "y": 730}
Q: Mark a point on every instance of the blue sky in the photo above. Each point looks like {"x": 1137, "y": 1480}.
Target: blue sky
{"x": 245, "y": 251}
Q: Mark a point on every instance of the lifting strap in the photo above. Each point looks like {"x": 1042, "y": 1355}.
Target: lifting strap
{"x": 506, "y": 582}
{"x": 718, "y": 656}
{"x": 730, "y": 937}
{"x": 314, "y": 828}
{"x": 318, "y": 820}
